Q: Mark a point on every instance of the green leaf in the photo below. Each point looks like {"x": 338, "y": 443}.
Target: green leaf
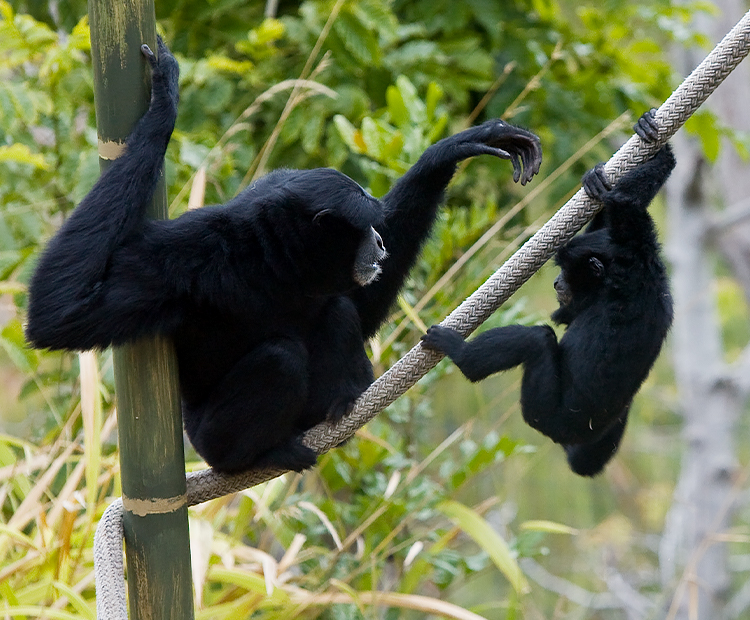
{"x": 228, "y": 65}
{"x": 85, "y": 609}
{"x": 433, "y": 97}
{"x": 348, "y": 133}
{"x": 252, "y": 582}
{"x": 377, "y": 136}
{"x": 359, "y": 41}
{"x": 9, "y": 260}
{"x": 270, "y": 31}
{"x": 22, "y": 154}
{"x": 39, "y": 612}
{"x": 396, "y": 106}
{"x": 11, "y": 288}
{"x": 488, "y": 539}
{"x": 17, "y": 536}
{"x": 550, "y": 527}
{"x": 415, "y": 106}
{"x": 13, "y": 342}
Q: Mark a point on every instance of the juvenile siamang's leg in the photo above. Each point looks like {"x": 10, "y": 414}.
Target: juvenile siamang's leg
{"x": 646, "y": 126}
{"x": 548, "y": 401}
{"x": 590, "y": 458}
{"x": 500, "y": 349}
{"x": 67, "y": 307}
{"x": 251, "y": 417}
{"x": 339, "y": 367}
{"x": 411, "y": 205}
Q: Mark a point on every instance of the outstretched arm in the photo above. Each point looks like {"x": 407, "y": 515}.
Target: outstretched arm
{"x": 411, "y": 206}
{"x": 65, "y": 293}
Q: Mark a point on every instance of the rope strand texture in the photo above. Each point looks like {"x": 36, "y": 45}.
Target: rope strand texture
{"x": 209, "y": 484}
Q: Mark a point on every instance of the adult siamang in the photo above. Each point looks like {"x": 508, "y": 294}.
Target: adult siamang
{"x": 269, "y": 298}
{"x": 614, "y": 298}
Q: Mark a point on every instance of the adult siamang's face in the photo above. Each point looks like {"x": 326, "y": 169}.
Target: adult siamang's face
{"x": 367, "y": 261}
{"x": 343, "y": 256}
{"x": 344, "y": 218}
{"x": 562, "y": 288}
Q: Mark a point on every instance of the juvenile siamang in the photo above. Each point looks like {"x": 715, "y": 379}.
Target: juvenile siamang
{"x": 614, "y": 298}
{"x": 269, "y": 298}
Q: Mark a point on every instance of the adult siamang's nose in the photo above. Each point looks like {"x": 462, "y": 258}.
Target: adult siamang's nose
{"x": 379, "y": 240}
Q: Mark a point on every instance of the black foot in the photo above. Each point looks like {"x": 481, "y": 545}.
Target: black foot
{"x": 292, "y": 455}
{"x": 596, "y": 183}
{"x": 646, "y": 126}
{"x": 150, "y": 56}
{"x": 444, "y": 340}
{"x": 165, "y": 73}
{"x": 340, "y": 409}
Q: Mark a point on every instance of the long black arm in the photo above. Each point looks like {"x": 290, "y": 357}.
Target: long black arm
{"x": 411, "y": 206}
{"x": 68, "y": 284}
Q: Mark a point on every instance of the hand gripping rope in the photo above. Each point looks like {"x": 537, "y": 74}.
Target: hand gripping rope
{"x": 209, "y": 484}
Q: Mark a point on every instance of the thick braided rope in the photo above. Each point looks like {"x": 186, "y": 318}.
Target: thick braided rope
{"x": 108, "y": 565}
{"x": 209, "y": 484}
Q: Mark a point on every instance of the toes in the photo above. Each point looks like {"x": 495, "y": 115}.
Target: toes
{"x": 646, "y": 126}
{"x": 150, "y": 56}
{"x": 339, "y": 410}
{"x": 596, "y": 183}
{"x": 517, "y": 169}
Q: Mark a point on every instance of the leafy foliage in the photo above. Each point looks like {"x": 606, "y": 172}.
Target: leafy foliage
{"x": 378, "y": 82}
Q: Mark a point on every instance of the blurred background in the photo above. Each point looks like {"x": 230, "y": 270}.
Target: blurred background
{"x": 447, "y": 495}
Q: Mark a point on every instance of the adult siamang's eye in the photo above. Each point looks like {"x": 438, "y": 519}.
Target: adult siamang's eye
{"x": 320, "y": 214}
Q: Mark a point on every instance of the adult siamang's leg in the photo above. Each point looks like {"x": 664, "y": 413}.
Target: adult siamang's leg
{"x": 251, "y": 417}
{"x": 590, "y": 458}
{"x": 339, "y": 367}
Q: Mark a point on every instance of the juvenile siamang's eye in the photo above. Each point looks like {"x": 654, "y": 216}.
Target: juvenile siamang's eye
{"x": 596, "y": 266}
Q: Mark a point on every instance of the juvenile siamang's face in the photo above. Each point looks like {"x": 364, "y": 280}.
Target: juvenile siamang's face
{"x": 578, "y": 278}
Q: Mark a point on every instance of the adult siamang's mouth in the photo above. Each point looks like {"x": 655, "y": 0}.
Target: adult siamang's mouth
{"x": 366, "y": 274}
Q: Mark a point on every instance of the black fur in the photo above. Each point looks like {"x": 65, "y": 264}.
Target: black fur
{"x": 268, "y": 322}
{"x": 615, "y": 300}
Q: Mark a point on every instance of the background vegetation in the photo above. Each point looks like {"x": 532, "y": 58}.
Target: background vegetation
{"x": 447, "y": 495}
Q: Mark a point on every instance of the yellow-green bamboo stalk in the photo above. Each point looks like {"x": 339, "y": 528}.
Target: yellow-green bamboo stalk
{"x": 148, "y": 403}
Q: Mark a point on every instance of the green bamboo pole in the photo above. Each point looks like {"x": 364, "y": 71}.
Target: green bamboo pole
{"x": 148, "y": 402}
